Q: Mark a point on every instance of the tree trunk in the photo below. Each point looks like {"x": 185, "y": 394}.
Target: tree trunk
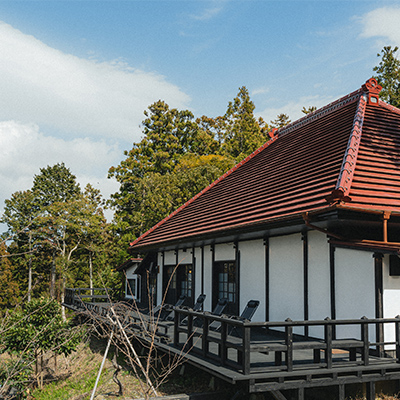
{"x": 90, "y": 273}
{"x": 30, "y": 267}
{"x": 53, "y": 278}
{"x": 62, "y": 298}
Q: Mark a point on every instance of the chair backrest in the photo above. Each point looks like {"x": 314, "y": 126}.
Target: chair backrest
{"x": 199, "y": 303}
{"x": 250, "y": 309}
{"x": 220, "y": 307}
{"x": 181, "y": 300}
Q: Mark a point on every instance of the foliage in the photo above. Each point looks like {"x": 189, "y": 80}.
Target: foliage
{"x": 280, "y": 121}
{"x": 177, "y": 158}
{"x": 39, "y": 326}
{"x": 388, "y": 75}
{"x": 308, "y": 110}
{"x": 9, "y": 289}
{"x": 243, "y": 133}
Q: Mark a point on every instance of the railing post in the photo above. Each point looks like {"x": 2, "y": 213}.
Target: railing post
{"x": 190, "y": 331}
{"x": 176, "y": 328}
{"x": 397, "y": 329}
{"x": 222, "y": 349}
{"x": 204, "y": 338}
{"x": 289, "y": 345}
{"x": 328, "y": 342}
{"x": 365, "y": 340}
{"x": 246, "y": 350}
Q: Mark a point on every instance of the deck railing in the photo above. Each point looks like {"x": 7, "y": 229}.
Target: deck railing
{"x": 245, "y": 345}
{"x": 75, "y": 296}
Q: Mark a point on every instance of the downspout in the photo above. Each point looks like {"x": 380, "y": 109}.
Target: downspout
{"x": 385, "y": 217}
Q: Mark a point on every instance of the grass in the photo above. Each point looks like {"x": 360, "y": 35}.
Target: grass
{"x": 75, "y": 377}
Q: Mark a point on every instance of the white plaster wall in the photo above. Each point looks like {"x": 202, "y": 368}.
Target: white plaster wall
{"x": 208, "y": 278}
{"x": 391, "y": 300}
{"x": 319, "y": 300}
{"x": 169, "y": 258}
{"x": 252, "y": 276}
{"x": 286, "y": 278}
{"x": 354, "y": 289}
{"x": 224, "y": 252}
{"x": 185, "y": 257}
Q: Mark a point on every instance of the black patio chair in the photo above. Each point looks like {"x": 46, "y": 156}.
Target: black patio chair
{"x": 198, "y": 306}
{"x": 246, "y": 315}
{"x": 218, "y": 310}
{"x": 168, "y": 314}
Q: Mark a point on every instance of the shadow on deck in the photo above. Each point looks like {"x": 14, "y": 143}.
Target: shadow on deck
{"x": 268, "y": 356}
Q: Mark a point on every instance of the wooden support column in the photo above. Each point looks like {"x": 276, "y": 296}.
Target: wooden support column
{"x": 341, "y": 392}
{"x": 237, "y": 258}
{"x": 266, "y": 245}
{"x": 370, "y": 390}
{"x": 305, "y": 279}
{"x": 379, "y": 300}
{"x": 289, "y": 346}
{"x": 332, "y": 285}
{"x": 202, "y": 269}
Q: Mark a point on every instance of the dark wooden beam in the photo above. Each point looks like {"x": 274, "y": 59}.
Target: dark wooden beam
{"x": 305, "y": 279}
{"x": 332, "y": 284}
{"x": 379, "y": 300}
{"x": 266, "y": 244}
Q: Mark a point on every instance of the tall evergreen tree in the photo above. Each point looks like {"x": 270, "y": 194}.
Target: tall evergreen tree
{"x": 243, "y": 134}
{"x": 388, "y": 75}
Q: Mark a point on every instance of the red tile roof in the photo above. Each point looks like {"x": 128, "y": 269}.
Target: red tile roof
{"x": 346, "y": 152}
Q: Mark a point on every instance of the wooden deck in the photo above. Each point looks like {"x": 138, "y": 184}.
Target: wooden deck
{"x": 269, "y": 356}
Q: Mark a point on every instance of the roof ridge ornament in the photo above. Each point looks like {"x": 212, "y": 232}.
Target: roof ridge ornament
{"x": 345, "y": 178}
{"x": 372, "y": 88}
{"x": 272, "y": 133}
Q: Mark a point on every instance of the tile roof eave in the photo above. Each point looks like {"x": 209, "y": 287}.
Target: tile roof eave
{"x": 265, "y": 145}
{"x": 269, "y": 221}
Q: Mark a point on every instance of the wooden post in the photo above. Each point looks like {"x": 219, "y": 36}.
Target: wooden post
{"x": 397, "y": 329}
{"x": 341, "y": 391}
{"x": 246, "y": 350}
{"x": 365, "y": 340}
{"x": 204, "y": 338}
{"x": 176, "y": 329}
{"x": 222, "y": 349}
{"x": 289, "y": 346}
{"x": 328, "y": 341}
{"x": 370, "y": 386}
{"x": 190, "y": 331}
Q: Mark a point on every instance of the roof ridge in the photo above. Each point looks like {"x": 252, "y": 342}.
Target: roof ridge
{"x": 321, "y": 112}
{"x": 349, "y": 162}
{"x": 206, "y": 189}
{"x": 389, "y": 106}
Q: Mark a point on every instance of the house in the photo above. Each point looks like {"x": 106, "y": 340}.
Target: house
{"x": 309, "y": 224}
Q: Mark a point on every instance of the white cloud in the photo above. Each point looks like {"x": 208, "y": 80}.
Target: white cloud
{"x": 71, "y": 94}
{"x": 24, "y": 150}
{"x": 382, "y": 22}
{"x": 260, "y": 90}
{"x": 207, "y": 14}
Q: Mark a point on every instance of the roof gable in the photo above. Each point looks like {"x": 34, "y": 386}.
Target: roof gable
{"x": 319, "y": 160}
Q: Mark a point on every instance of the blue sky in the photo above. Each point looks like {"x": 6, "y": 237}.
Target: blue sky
{"x": 76, "y": 76}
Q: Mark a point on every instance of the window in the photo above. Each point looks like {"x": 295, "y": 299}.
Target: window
{"x": 133, "y": 285}
{"x": 394, "y": 265}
